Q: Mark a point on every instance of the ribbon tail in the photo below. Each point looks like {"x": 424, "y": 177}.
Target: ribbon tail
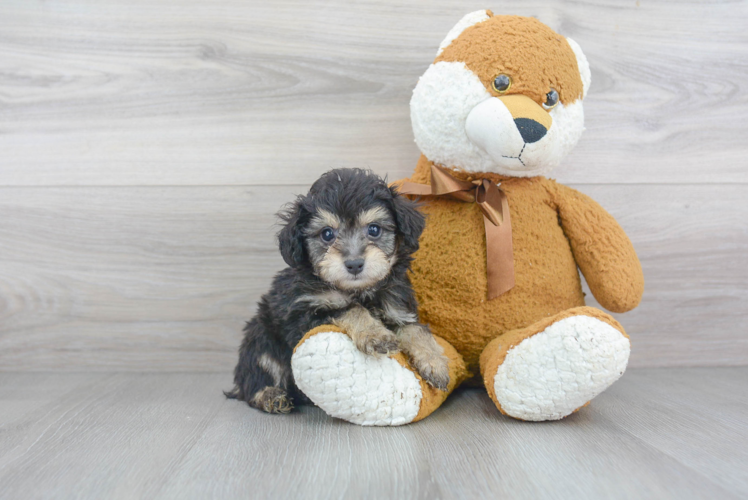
{"x": 499, "y": 254}
{"x": 411, "y": 188}
{"x": 489, "y": 197}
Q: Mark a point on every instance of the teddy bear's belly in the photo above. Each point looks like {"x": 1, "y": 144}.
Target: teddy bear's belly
{"x": 449, "y": 273}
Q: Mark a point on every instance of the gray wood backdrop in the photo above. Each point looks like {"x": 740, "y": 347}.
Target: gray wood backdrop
{"x": 145, "y": 145}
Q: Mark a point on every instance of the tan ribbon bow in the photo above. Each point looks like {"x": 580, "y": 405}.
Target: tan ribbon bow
{"x": 495, "y": 207}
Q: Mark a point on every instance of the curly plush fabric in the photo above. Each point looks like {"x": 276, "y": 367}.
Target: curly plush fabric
{"x": 551, "y": 374}
{"x": 553, "y": 367}
{"x": 554, "y": 228}
{"x": 348, "y": 384}
{"x": 364, "y": 389}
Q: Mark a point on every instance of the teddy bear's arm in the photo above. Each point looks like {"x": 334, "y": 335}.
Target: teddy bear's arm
{"x": 601, "y": 249}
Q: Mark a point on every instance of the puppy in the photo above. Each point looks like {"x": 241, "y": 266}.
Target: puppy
{"x": 348, "y": 245}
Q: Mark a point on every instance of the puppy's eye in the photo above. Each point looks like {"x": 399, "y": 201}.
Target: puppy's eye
{"x": 502, "y": 83}
{"x": 375, "y": 231}
{"x": 551, "y": 99}
{"x": 327, "y": 235}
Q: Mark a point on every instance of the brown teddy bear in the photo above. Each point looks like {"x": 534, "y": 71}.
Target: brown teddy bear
{"x": 497, "y": 273}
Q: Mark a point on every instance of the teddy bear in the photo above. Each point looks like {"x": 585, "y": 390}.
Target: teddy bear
{"x": 497, "y": 272}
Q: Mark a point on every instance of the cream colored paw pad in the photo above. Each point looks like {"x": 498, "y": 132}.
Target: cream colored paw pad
{"x": 551, "y": 374}
{"x": 353, "y": 386}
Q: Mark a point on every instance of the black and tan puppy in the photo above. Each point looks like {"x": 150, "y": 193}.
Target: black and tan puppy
{"x": 348, "y": 245}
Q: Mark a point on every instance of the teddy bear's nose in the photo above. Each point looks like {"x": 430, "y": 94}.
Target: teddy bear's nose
{"x": 530, "y": 130}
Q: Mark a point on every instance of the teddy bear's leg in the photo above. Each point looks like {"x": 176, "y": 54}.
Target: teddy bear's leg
{"x": 555, "y": 366}
{"x": 366, "y": 389}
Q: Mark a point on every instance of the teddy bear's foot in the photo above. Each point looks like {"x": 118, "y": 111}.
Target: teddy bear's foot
{"x": 365, "y": 389}
{"x": 555, "y": 366}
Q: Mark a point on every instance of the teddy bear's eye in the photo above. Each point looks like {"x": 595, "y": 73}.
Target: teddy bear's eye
{"x": 551, "y": 99}
{"x": 502, "y": 83}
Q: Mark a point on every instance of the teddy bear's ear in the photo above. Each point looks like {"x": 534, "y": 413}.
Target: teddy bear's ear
{"x": 584, "y": 66}
{"x": 473, "y": 18}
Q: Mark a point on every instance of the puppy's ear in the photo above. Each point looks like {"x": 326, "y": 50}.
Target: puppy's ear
{"x": 410, "y": 222}
{"x": 291, "y": 236}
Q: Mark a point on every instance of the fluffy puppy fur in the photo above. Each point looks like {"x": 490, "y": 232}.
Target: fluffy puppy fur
{"x": 348, "y": 244}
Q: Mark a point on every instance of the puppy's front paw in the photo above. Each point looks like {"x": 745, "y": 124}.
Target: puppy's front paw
{"x": 378, "y": 342}
{"x": 434, "y": 368}
{"x": 272, "y": 400}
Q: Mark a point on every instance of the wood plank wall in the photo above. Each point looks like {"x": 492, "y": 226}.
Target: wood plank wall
{"x": 144, "y": 147}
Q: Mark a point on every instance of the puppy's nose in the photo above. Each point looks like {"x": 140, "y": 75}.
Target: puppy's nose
{"x": 354, "y": 266}
{"x": 530, "y": 130}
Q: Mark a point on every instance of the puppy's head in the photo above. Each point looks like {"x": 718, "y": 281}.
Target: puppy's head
{"x": 350, "y": 229}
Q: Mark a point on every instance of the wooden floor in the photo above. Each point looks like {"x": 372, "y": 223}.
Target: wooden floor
{"x": 658, "y": 433}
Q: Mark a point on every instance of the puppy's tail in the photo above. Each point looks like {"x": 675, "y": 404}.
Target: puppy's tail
{"x": 234, "y": 393}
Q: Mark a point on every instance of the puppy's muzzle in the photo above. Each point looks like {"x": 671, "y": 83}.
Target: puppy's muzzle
{"x": 354, "y": 266}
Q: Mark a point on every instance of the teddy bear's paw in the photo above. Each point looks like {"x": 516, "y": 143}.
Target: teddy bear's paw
{"x": 357, "y": 387}
{"x": 552, "y": 373}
